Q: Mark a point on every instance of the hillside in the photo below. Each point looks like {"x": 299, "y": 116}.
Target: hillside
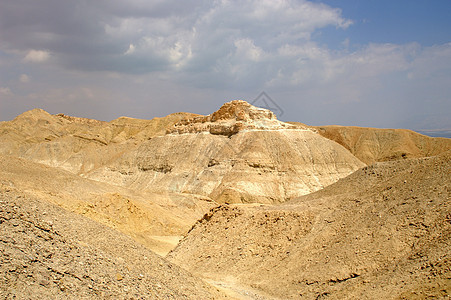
{"x": 155, "y": 220}
{"x": 374, "y": 145}
{"x": 381, "y": 233}
{"x": 238, "y": 154}
{"x": 75, "y": 144}
{"x": 48, "y": 252}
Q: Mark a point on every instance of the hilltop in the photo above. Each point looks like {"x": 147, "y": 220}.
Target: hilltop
{"x": 238, "y": 154}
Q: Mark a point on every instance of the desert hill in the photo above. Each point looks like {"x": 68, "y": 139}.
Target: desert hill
{"x": 238, "y": 154}
{"x": 86, "y": 204}
{"x": 49, "y": 252}
{"x": 76, "y": 144}
{"x": 154, "y": 220}
{"x": 374, "y": 145}
{"x": 382, "y": 232}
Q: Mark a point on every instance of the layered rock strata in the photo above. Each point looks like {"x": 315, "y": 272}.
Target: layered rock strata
{"x": 231, "y": 118}
{"x": 239, "y": 153}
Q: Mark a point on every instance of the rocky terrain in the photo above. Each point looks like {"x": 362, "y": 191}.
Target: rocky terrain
{"x": 238, "y": 154}
{"x": 381, "y": 233}
{"x": 50, "y": 253}
{"x": 251, "y": 207}
{"x": 372, "y": 145}
{"x": 154, "y": 220}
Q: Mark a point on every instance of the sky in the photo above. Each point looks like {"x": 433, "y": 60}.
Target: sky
{"x": 371, "y": 63}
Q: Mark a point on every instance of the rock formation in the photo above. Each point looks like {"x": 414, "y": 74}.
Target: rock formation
{"x": 238, "y": 154}
{"x": 231, "y": 118}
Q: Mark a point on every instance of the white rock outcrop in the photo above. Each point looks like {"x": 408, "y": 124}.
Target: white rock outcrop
{"x": 239, "y": 153}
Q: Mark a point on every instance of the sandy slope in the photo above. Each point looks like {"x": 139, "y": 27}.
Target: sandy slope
{"x": 75, "y": 144}
{"x": 373, "y": 144}
{"x": 49, "y": 252}
{"x": 155, "y": 220}
{"x": 382, "y": 232}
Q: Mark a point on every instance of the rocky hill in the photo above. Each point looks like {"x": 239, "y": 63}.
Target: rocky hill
{"x": 381, "y": 233}
{"x": 75, "y": 144}
{"x": 50, "y": 253}
{"x": 373, "y": 144}
{"x": 86, "y": 204}
{"x": 239, "y": 154}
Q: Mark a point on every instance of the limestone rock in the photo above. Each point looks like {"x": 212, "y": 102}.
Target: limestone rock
{"x": 240, "y": 153}
{"x": 231, "y": 118}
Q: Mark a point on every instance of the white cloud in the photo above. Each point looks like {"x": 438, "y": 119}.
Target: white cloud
{"x": 246, "y": 49}
{"x": 5, "y": 91}
{"x": 24, "y": 78}
{"x": 37, "y": 56}
{"x": 130, "y": 50}
{"x": 431, "y": 62}
{"x": 212, "y": 34}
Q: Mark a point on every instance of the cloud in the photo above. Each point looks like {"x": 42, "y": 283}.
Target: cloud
{"x": 37, "y": 56}
{"x": 171, "y": 52}
{"x": 246, "y": 50}
{"x": 130, "y": 50}
{"x": 6, "y": 91}
{"x": 161, "y": 35}
{"x": 24, "y": 78}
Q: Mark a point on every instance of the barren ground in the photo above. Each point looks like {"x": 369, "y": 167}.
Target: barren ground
{"x": 116, "y": 210}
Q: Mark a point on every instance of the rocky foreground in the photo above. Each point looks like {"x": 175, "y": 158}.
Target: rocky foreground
{"x": 251, "y": 207}
{"x": 50, "y": 253}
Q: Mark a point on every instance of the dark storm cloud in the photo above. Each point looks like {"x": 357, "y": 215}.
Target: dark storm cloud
{"x": 28, "y": 25}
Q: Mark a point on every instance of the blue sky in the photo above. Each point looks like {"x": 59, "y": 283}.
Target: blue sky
{"x": 349, "y": 62}
{"x": 401, "y": 21}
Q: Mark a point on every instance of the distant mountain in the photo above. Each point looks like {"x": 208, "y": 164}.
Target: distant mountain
{"x": 373, "y": 144}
